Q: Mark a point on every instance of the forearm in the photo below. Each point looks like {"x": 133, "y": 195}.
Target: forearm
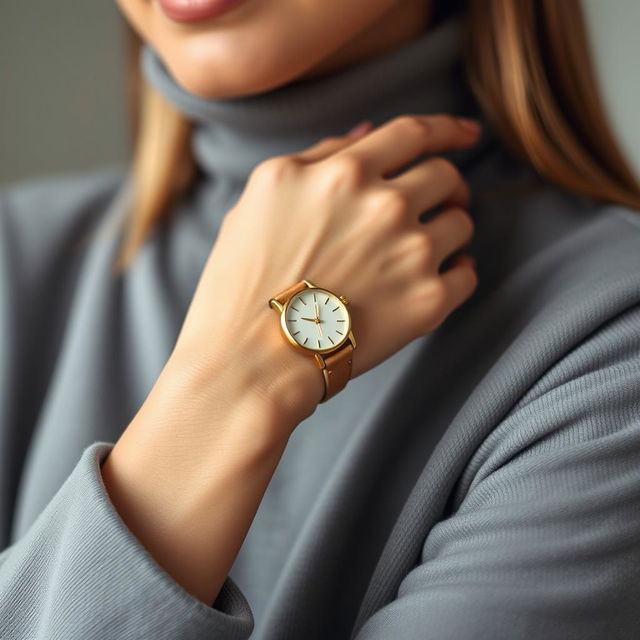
{"x": 189, "y": 472}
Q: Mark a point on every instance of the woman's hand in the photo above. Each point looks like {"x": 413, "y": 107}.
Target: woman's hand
{"x": 189, "y": 472}
{"x": 331, "y": 214}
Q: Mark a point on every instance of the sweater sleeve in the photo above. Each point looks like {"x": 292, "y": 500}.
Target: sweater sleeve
{"x": 542, "y": 539}
{"x": 79, "y": 573}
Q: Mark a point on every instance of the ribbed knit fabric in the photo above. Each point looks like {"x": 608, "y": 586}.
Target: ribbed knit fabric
{"x": 484, "y": 482}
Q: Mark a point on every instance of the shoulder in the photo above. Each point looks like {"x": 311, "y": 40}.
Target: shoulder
{"x": 539, "y": 534}
{"x": 567, "y": 360}
{"x": 626, "y": 218}
{"x": 523, "y": 219}
{"x": 559, "y": 323}
{"x": 582, "y": 286}
{"x": 545, "y": 247}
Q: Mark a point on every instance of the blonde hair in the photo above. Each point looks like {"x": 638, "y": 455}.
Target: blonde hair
{"x": 529, "y": 67}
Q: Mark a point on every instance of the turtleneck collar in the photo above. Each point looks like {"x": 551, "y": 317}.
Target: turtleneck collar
{"x": 232, "y": 135}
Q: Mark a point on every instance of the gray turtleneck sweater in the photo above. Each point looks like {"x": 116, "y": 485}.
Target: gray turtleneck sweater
{"x": 484, "y": 482}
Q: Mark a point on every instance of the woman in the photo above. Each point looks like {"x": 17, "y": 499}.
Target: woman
{"x": 172, "y": 467}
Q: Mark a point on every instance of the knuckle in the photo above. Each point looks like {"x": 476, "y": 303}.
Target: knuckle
{"x": 427, "y": 249}
{"x": 411, "y": 125}
{"x": 348, "y": 164}
{"x": 343, "y": 169}
{"x": 465, "y": 221}
{"x": 471, "y": 279}
{"x": 435, "y": 295}
{"x": 470, "y": 225}
{"x": 445, "y": 169}
{"x": 276, "y": 168}
{"x": 390, "y": 206}
{"x": 431, "y": 304}
{"x": 423, "y": 247}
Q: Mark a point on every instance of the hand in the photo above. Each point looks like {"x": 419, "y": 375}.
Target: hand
{"x": 330, "y": 214}
{"x": 201, "y": 450}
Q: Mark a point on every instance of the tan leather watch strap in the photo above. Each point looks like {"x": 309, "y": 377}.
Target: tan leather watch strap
{"x": 337, "y": 370}
{"x": 283, "y": 296}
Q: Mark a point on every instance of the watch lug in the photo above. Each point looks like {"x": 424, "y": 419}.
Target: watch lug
{"x": 319, "y": 360}
{"x": 353, "y": 340}
{"x": 309, "y": 284}
{"x": 274, "y": 304}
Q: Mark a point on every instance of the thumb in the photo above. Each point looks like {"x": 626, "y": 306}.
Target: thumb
{"x": 330, "y": 145}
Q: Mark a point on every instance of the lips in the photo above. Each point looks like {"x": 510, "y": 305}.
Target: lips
{"x": 195, "y": 10}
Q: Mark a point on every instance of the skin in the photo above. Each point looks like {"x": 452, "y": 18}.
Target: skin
{"x": 189, "y": 472}
{"x": 262, "y": 44}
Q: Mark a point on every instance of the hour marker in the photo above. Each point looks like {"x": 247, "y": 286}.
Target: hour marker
{"x": 305, "y": 341}
{"x": 335, "y": 309}
{"x": 340, "y": 320}
{"x": 332, "y": 342}
{"x": 340, "y": 332}
{"x": 314, "y": 296}
{"x": 327, "y": 300}
{"x": 292, "y": 319}
{"x": 295, "y": 309}
{"x": 318, "y": 344}
{"x": 296, "y": 333}
{"x": 303, "y": 302}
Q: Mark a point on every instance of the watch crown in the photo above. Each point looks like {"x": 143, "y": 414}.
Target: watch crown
{"x": 344, "y": 299}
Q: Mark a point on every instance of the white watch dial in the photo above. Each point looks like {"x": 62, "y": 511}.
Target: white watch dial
{"x": 317, "y": 319}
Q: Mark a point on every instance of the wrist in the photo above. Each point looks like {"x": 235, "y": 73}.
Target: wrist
{"x": 256, "y": 369}
{"x": 197, "y": 457}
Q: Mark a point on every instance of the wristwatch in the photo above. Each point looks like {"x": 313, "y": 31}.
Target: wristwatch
{"x": 317, "y": 322}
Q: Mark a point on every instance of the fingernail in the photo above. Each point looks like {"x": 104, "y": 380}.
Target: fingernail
{"x": 472, "y": 126}
{"x": 359, "y": 129}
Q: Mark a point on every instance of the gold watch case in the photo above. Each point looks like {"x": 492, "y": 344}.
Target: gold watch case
{"x": 310, "y": 350}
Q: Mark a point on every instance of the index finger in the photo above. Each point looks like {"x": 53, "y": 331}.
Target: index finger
{"x": 404, "y": 138}
{"x": 328, "y": 146}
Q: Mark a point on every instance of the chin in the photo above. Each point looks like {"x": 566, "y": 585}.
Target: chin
{"x": 228, "y": 68}
{"x": 209, "y": 78}
{"x": 268, "y": 45}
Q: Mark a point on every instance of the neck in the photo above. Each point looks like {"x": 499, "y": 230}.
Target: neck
{"x": 395, "y": 27}
{"x": 232, "y": 135}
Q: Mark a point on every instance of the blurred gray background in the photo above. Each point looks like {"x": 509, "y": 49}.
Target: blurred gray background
{"x": 62, "y": 105}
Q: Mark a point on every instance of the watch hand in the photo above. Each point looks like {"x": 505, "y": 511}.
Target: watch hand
{"x": 311, "y": 319}
{"x": 318, "y": 317}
